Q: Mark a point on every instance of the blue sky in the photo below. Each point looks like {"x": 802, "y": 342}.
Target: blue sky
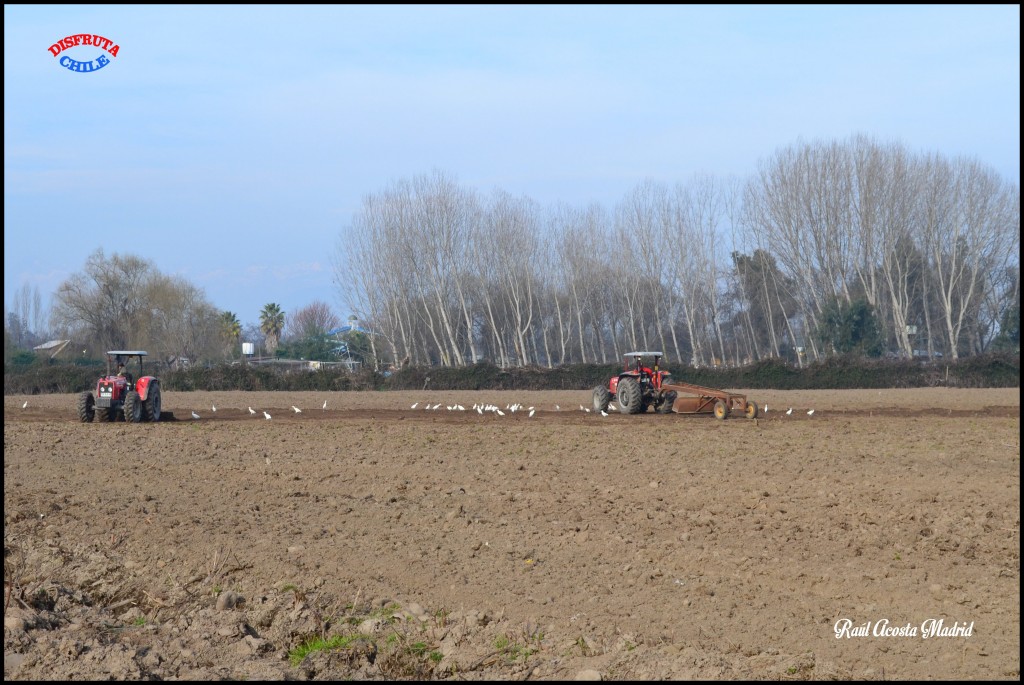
{"x": 232, "y": 145}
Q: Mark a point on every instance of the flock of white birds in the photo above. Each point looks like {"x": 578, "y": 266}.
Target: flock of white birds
{"x": 253, "y": 412}
{"x": 481, "y": 408}
{"x": 478, "y": 408}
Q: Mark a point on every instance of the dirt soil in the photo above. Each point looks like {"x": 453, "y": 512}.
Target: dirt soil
{"x": 371, "y": 540}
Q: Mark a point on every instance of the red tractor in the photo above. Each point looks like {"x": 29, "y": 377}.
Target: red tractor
{"x": 119, "y": 394}
{"x": 638, "y": 387}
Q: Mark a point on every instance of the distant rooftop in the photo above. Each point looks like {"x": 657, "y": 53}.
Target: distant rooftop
{"x": 50, "y": 345}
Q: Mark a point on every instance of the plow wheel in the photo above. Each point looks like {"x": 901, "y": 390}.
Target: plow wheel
{"x": 86, "y": 407}
{"x": 721, "y": 410}
{"x": 666, "y": 402}
{"x": 629, "y": 396}
{"x": 601, "y": 398}
{"x": 132, "y": 407}
{"x": 750, "y": 409}
{"x": 151, "y": 405}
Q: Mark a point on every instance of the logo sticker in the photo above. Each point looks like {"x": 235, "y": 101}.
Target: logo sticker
{"x": 91, "y": 40}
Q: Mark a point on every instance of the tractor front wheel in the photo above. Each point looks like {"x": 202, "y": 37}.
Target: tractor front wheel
{"x": 721, "y": 410}
{"x": 601, "y": 398}
{"x": 151, "y": 405}
{"x": 86, "y": 407}
{"x": 104, "y": 414}
{"x": 629, "y": 396}
{"x": 667, "y": 400}
{"x": 132, "y": 407}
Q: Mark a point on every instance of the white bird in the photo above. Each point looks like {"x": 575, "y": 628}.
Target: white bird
{"x": 604, "y": 413}
{"x": 613, "y": 407}
{"x": 530, "y": 415}
{"x": 586, "y": 410}
{"x": 25, "y": 405}
{"x": 414, "y": 405}
{"x": 500, "y": 412}
{"x": 810, "y": 413}
{"x": 213, "y": 407}
{"x": 479, "y": 410}
{"x": 325, "y": 405}
{"x": 557, "y": 408}
{"x": 789, "y": 411}
{"x": 766, "y": 408}
{"x": 195, "y": 415}
{"x": 251, "y": 410}
{"x": 297, "y": 410}
{"x": 581, "y": 408}
{"x": 266, "y": 415}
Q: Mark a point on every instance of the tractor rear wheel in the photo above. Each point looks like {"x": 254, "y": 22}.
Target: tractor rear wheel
{"x": 629, "y": 396}
{"x": 601, "y": 398}
{"x": 86, "y": 407}
{"x": 721, "y": 410}
{"x": 750, "y": 409}
{"x": 151, "y": 405}
{"x": 132, "y": 407}
{"x": 667, "y": 400}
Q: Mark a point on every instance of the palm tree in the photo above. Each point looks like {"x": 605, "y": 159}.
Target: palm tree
{"x": 272, "y": 323}
{"x": 231, "y": 328}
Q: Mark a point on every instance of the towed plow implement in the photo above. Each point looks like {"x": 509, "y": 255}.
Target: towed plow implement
{"x": 697, "y": 399}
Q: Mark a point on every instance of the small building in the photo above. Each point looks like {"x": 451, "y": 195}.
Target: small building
{"x": 54, "y": 349}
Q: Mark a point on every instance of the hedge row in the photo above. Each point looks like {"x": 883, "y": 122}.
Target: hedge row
{"x": 998, "y": 370}
{"x": 986, "y": 371}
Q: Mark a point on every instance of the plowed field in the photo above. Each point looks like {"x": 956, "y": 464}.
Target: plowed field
{"x": 448, "y": 544}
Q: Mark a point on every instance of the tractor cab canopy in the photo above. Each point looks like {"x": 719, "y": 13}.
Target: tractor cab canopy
{"x": 122, "y": 357}
{"x": 637, "y": 357}
{"x": 635, "y": 363}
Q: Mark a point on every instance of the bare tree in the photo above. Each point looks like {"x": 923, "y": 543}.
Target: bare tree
{"x": 313, "y": 320}
{"x": 683, "y": 241}
{"x": 885, "y": 263}
{"x": 512, "y": 227}
{"x": 26, "y": 322}
{"x": 444, "y": 276}
{"x": 483, "y": 260}
{"x": 639, "y": 262}
{"x": 976, "y": 224}
{"x": 106, "y": 301}
{"x": 368, "y": 275}
{"x": 179, "y": 322}
{"x": 802, "y": 203}
{"x": 583, "y": 238}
